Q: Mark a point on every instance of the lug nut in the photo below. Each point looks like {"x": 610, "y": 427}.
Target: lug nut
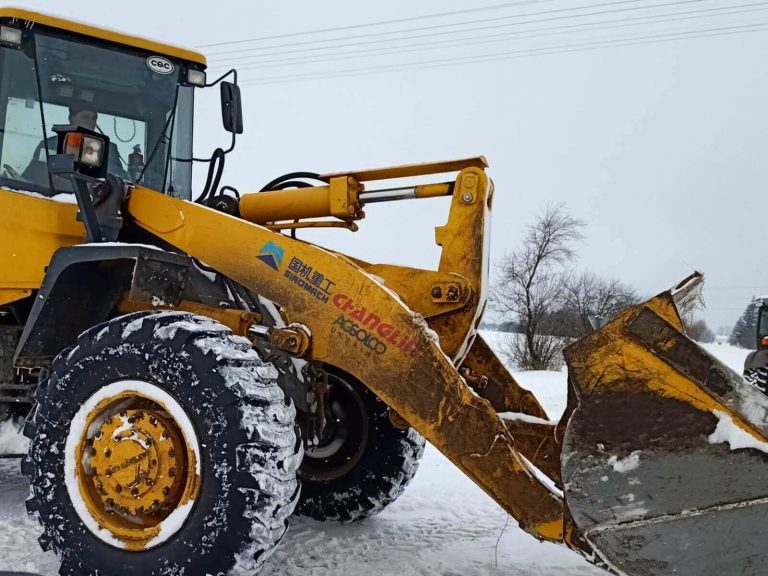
{"x": 107, "y": 452}
{"x": 135, "y": 492}
{"x": 172, "y": 472}
{"x": 166, "y": 491}
{"x": 118, "y": 488}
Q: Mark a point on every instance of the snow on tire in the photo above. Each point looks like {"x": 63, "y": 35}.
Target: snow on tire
{"x": 364, "y": 462}
{"x": 162, "y": 445}
{"x": 758, "y": 377}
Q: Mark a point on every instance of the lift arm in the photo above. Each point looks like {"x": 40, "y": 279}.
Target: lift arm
{"x": 362, "y": 326}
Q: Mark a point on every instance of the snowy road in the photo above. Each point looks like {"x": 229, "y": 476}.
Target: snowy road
{"x": 442, "y": 526}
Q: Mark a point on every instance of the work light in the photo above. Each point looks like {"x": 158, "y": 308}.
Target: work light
{"x": 10, "y": 35}
{"x": 88, "y": 149}
{"x": 196, "y": 77}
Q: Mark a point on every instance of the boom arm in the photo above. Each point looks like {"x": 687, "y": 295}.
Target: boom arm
{"x": 361, "y": 326}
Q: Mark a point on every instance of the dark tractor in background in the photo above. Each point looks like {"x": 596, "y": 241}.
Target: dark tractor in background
{"x": 756, "y": 364}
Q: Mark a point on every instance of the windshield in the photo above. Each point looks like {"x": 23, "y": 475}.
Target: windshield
{"x": 140, "y": 106}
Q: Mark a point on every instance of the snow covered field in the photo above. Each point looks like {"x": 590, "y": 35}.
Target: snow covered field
{"x": 442, "y": 526}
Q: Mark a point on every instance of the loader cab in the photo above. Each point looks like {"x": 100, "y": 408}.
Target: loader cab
{"x": 142, "y": 93}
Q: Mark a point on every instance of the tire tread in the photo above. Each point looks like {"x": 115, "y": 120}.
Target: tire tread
{"x": 249, "y": 393}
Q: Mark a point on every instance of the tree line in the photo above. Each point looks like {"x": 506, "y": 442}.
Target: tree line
{"x": 547, "y": 303}
{"x": 744, "y": 332}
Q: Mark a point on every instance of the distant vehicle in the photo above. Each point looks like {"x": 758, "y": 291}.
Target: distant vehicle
{"x": 756, "y": 364}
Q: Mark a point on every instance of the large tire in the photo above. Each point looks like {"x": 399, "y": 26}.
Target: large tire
{"x": 363, "y": 464}
{"x": 758, "y": 377}
{"x": 243, "y": 427}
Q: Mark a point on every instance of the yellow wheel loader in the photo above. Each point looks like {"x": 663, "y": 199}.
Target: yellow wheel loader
{"x": 195, "y": 374}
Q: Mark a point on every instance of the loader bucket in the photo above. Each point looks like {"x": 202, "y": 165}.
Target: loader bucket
{"x": 665, "y": 452}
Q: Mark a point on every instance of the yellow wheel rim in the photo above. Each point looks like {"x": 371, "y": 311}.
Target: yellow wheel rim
{"x": 133, "y": 465}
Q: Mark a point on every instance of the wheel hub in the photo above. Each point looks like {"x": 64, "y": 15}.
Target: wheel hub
{"x": 136, "y": 459}
{"x": 132, "y": 463}
{"x": 344, "y": 437}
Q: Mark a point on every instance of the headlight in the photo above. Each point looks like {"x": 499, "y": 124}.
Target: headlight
{"x": 88, "y": 150}
{"x": 196, "y": 77}
{"x": 80, "y": 150}
{"x": 92, "y": 152}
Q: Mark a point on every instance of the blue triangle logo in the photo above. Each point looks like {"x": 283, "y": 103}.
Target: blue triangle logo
{"x": 272, "y": 255}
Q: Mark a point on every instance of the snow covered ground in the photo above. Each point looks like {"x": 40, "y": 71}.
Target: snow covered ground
{"x": 11, "y": 440}
{"x": 442, "y": 526}
{"x": 731, "y": 356}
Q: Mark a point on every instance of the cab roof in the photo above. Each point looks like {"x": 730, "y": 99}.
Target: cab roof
{"x": 30, "y": 17}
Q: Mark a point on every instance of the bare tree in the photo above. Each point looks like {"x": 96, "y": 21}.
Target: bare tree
{"x": 697, "y": 329}
{"x": 530, "y": 286}
{"x": 587, "y": 297}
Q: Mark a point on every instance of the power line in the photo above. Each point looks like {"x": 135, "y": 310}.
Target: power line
{"x": 518, "y": 35}
{"x": 380, "y": 23}
{"x": 734, "y": 287}
{"x": 465, "y": 30}
{"x": 562, "y": 49}
{"x": 587, "y": 26}
{"x": 497, "y": 55}
{"x": 438, "y": 26}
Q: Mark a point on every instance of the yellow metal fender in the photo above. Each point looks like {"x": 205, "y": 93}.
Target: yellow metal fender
{"x": 32, "y": 228}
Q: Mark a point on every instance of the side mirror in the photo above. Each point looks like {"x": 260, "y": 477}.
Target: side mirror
{"x": 231, "y": 108}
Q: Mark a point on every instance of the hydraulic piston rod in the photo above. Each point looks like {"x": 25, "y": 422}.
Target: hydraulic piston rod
{"x": 344, "y": 196}
{"x": 406, "y": 193}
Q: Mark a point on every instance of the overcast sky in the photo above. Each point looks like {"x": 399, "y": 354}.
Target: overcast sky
{"x": 659, "y": 147}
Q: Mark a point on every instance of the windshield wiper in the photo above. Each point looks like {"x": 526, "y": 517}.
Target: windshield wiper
{"x": 42, "y": 118}
{"x": 165, "y": 138}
